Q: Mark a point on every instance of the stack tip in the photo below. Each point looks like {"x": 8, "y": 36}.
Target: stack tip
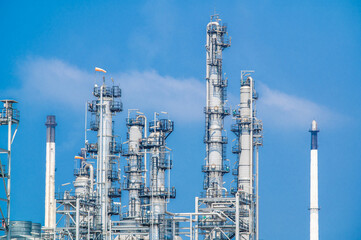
{"x": 314, "y": 125}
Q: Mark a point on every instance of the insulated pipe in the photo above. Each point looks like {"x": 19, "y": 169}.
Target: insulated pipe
{"x": 314, "y": 235}
{"x": 50, "y": 204}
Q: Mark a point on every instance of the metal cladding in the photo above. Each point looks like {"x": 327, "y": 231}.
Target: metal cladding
{"x": 314, "y": 231}
{"x": 50, "y": 131}
{"x": 50, "y": 204}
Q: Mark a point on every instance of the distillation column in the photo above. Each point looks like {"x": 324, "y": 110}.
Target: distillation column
{"x": 50, "y": 204}
{"x": 215, "y": 110}
{"x": 248, "y": 129}
{"x": 314, "y": 183}
{"x": 158, "y": 192}
{"x": 135, "y": 166}
{"x": 103, "y": 109}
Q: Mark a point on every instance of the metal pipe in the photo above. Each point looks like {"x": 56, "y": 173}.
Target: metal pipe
{"x": 314, "y": 231}
{"x": 9, "y": 177}
{"x": 257, "y": 197}
{"x": 50, "y": 204}
{"x": 77, "y": 217}
{"x": 237, "y": 216}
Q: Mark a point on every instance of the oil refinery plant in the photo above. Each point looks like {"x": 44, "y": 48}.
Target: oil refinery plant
{"x": 93, "y": 210}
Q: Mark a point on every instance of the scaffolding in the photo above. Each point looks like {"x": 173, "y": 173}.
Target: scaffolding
{"x": 9, "y": 116}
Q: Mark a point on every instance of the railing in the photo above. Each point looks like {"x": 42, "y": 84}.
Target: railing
{"x": 114, "y": 209}
{"x": 113, "y": 175}
{"x": 9, "y": 112}
{"x": 163, "y": 125}
{"x": 135, "y": 169}
{"x": 127, "y": 185}
{"x": 136, "y": 121}
{"x": 220, "y": 82}
{"x": 236, "y": 128}
{"x": 64, "y": 195}
{"x": 221, "y": 193}
{"x": 92, "y": 147}
{"x": 149, "y": 219}
{"x": 116, "y": 106}
{"x": 215, "y": 168}
{"x": 82, "y": 172}
{"x": 108, "y": 92}
{"x": 114, "y": 192}
{"x": 93, "y": 106}
{"x": 244, "y": 198}
{"x": 159, "y": 192}
{"x": 223, "y": 111}
{"x": 115, "y": 147}
{"x": 94, "y": 124}
{"x": 216, "y": 139}
{"x": 128, "y": 152}
{"x": 4, "y": 169}
{"x": 152, "y": 142}
{"x": 236, "y": 148}
{"x": 165, "y": 163}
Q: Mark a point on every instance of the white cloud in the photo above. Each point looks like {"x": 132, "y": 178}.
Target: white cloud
{"x": 282, "y": 110}
{"x": 52, "y": 81}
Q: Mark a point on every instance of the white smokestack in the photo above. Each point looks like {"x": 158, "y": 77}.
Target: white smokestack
{"x": 50, "y": 204}
{"x": 314, "y": 183}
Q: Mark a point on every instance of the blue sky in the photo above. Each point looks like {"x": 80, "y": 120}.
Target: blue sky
{"x": 306, "y": 55}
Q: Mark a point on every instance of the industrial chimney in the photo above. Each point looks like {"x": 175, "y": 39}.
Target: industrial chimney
{"x": 50, "y": 205}
{"x": 314, "y": 183}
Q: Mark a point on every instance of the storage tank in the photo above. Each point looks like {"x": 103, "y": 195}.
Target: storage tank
{"x": 36, "y": 230}
{"x": 20, "y": 229}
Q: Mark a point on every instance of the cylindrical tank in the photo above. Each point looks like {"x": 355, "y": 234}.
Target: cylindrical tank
{"x": 36, "y": 230}
{"x": 81, "y": 185}
{"x": 20, "y": 228}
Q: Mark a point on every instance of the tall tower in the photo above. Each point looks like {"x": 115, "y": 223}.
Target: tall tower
{"x": 50, "y": 204}
{"x": 215, "y": 111}
{"x": 103, "y": 109}
{"x": 248, "y": 130}
{"x": 159, "y": 190}
{"x": 314, "y": 183}
{"x": 135, "y": 165}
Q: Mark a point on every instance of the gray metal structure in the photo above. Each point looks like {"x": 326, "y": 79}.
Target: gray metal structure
{"x": 91, "y": 211}
{"x": 220, "y": 213}
{"x": 9, "y": 116}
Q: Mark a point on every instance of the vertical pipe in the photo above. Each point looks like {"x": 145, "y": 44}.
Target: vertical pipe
{"x": 251, "y": 215}
{"x": 9, "y": 175}
{"x": 190, "y": 227}
{"x": 101, "y": 165}
{"x": 257, "y": 197}
{"x": 50, "y": 204}
{"x": 237, "y": 216}
{"x": 196, "y": 219}
{"x": 314, "y": 231}
{"x": 77, "y": 218}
